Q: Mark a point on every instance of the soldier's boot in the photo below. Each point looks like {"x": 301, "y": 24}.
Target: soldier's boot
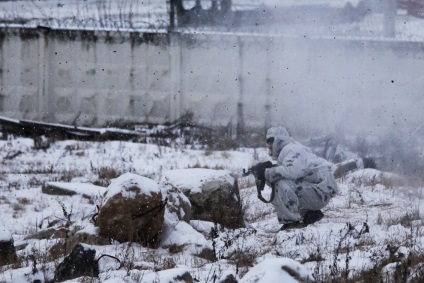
{"x": 312, "y": 216}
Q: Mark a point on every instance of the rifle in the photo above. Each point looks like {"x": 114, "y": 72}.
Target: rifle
{"x": 257, "y": 171}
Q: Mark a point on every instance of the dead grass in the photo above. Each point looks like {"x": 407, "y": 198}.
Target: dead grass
{"x": 406, "y": 220}
{"x": 198, "y": 165}
{"x": 165, "y": 263}
{"x": 175, "y": 249}
{"x": 243, "y": 260}
{"x": 35, "y": 182}
{"x": 108, "y": 173}
{"x": 4, "y": 200}
{"x": 409, "y": 269}
{"x": 23, "y": 201}
{"x": 382, "y": 179}
{"x": 80, "y": 153}
{"x": 225, "y": 155}
{"x": 68, "y": 175}
{"x": 224, "y": 142}
{"x": 365, "y": 242}
{"x": 18, "y": 209}
{"x": 105, "y": 175}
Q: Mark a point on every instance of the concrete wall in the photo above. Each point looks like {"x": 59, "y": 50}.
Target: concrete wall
{"x": 100, "y": 77}
{"x": 307, "y": 84}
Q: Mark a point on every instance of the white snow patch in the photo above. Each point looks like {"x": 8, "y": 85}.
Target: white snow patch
{"x": 203, "y": 227}
{"x": 184, "y": 234}
{"x": 89, "y": 229}
{"x": 5, "y": 235}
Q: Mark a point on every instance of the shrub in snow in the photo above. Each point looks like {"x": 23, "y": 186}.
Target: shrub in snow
{"x": 277, "y": 270}
{"x": 80, "y": 262}
{"x": 213, "y": 194}
{"x": 229, "y": 277}
{"x": 174, "y": 275}
{"x": 7, "y": 249}
{"x": 134, "y": 210}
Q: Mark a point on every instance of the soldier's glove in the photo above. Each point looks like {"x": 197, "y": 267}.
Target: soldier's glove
{"x": 259, "y": 169}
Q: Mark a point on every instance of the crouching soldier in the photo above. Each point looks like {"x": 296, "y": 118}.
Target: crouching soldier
{"x": 302, "y": 181}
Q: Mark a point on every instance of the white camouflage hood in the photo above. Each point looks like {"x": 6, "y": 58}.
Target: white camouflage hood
{"x": 281, "y": 139}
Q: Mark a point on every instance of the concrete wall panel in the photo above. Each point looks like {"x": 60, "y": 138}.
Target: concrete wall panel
{"x": 95, "y": 78}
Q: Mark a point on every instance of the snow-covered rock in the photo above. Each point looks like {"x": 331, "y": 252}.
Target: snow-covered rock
{"x": 80, "y": 262}
{"x": 130, "y": 185}
{"x": 213, "y": 194}
{"x": 134, "y": 210}
{"x": 178, "y": 204}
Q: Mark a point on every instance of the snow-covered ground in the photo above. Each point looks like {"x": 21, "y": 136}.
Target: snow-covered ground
{"x": 374, "y": 223}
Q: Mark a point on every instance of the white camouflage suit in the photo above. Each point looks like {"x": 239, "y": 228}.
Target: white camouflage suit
{"x": 303, "y": 181}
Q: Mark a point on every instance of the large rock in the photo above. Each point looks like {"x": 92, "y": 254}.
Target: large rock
{"x": 7, "y": 249}
{"x": 278, "y": 270}
{"x": 80, "y": 262}
{"x": 134, "y": 210}
{"x": 213, "y": 194}
{"x": 343, "y": 168}
{"x": 178, "y": 204}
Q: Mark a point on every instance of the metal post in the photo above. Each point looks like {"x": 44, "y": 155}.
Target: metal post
{"x": 44, "y": 106}
{"x": 175, "y": 75}
{"x": 240, "y": 112}
{"x": 172, "y": 15}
